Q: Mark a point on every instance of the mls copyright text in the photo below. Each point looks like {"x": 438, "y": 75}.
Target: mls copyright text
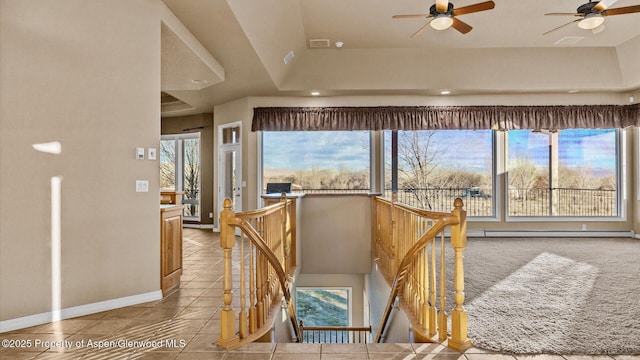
{"x": 92, "y": 344}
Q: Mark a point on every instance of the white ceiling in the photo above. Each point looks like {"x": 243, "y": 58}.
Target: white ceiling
{"x": 505, "y": 52}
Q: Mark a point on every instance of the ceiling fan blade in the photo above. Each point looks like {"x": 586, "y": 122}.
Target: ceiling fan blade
{"x": 604, "y": 5}
{"x": 412, "y": 16}
{"x": 461, "y": 26}
{"x": 487, "y": 5}
{"x": 442, "y": 5}
{"x": 622, "y": 10}
{"x": 420, "y": 30}
{"x": 561, "y": 26}
{"x": 563, "y": 14}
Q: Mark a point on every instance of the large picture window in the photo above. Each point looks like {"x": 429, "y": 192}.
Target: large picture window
{"x": 437, "y": 166}
{"x": 317, "y": 161}
{"x": 571, "y": 172}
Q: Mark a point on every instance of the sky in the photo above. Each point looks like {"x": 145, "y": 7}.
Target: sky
{"x": 594, "y": 148}
{"x": 324, "y": 149}
{"x": 465, "y": 149}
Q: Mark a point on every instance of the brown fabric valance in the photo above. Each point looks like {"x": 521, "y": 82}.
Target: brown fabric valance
{"x": 445, "y": 117}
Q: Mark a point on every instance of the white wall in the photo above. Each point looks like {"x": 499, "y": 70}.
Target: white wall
{"x": 86, "y": 74}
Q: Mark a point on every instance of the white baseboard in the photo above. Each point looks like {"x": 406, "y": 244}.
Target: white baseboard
{"x": 198, "y": 226}
{"x": 557, "y": 233}
{"x": 81, "y": 310}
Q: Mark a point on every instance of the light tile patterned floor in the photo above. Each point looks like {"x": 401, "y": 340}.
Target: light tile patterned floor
{"x": 185, "y": 326}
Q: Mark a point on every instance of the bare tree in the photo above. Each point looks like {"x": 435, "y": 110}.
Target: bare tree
{"x": 191, "y": 174}
{"x": 523, "y": 176}
{"x": 418, "y": 152}
{"x": 167, "y": 164}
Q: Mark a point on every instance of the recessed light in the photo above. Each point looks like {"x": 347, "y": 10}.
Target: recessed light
{"x": 573, "y": 91}
{"x": 315, "y": 93}
{"x": 339, "y": 44}
{"x": 199, "y": 81}
{"x": 445, "y": 92}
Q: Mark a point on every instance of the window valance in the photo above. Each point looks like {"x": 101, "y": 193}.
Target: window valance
{"x": 445, "y": 117}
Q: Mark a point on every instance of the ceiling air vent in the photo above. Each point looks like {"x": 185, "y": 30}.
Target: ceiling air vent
{"x": 569, "y": 40}
{"x": 319, "y": 43}
{"x": 289, "y": 57}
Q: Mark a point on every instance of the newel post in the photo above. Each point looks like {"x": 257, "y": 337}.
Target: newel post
{"x": 459, "y": 339}
{"x": 228, "y": 335}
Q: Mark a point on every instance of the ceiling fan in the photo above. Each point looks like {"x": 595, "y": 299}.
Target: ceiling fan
{"x": 592, "y": 14}
{"x": 444, "y": 13}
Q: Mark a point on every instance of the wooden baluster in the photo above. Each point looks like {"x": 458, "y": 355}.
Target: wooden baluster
{"x": 252, "y": 291}
{"x": 393, "y": 236}
{"x": 285, "y": 237}
{"x": 442, "y": 314}
{"x": 242, "y": 321}
{"x": 433, "y": 320}
{"x": 259, "y": 289}
{"x": 228, "y": 335}
{"x": 459, "y": 339}
{"x": 423, "y": 318}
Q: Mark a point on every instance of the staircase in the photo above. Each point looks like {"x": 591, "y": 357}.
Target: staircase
{"x": 407, "y": 243}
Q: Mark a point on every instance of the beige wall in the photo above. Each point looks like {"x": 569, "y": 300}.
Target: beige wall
{"x": 628, "y": 59}
{"x": 91, "y": 82}
{"x": 377, "y": 290}
{"x": 336, "y": 234}
{"x": 177, "y": 125}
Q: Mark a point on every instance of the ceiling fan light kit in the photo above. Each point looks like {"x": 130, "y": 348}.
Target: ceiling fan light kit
{"x": 441, "y": 22}
{"x": 591, "y": 15}
{"x": 444, "y": 15}
{"x": 591, "y": 21}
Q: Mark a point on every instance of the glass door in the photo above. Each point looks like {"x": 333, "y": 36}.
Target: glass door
{"x": 230, "y": 165}
{"x": 180, "y": 170}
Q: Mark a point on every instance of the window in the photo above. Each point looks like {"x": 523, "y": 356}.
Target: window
{"x": 571, "y": 172}
{"x": 435, "y": 167}
{"x": 181, "y": 172}
{"x": 317, "y": 161}
{"x": 324, "y": 306}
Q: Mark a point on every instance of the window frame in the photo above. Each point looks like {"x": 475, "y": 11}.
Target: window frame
{"x": 496, "y": 168}
{"x": 371, "y": 173}
{"x": 621, "y": 192}
{"x": 179, "y": 164}
{"x": 349, "y": 290}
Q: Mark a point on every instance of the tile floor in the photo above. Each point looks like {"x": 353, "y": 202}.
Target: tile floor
{"x": 185, "y": 326}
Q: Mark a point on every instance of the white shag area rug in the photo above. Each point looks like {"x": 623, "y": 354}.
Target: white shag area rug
{"x": 554, "y": 296}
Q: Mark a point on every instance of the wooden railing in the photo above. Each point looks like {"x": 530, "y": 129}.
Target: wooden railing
{"x": 335, "y": 334}
{"x": 412, "y": 260}
{"x": 258, "y": 267}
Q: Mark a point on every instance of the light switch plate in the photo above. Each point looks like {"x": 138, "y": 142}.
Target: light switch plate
{"x": 151, "y": 153}
{"x": 140, "y": 153}
{"x": 142, "y": 186}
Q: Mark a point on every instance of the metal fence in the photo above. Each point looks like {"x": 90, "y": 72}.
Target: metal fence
{"x": 562, "y": 202}
{"x": 479, "y": 201}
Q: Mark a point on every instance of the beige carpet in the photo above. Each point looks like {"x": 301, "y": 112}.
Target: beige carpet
{"x": 554, "y": 296}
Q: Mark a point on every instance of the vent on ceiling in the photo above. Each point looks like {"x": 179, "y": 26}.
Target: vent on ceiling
{"x": 289, "y": 57}
{"x": 569, "y": 40}
{"x": 319, "y": 43}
